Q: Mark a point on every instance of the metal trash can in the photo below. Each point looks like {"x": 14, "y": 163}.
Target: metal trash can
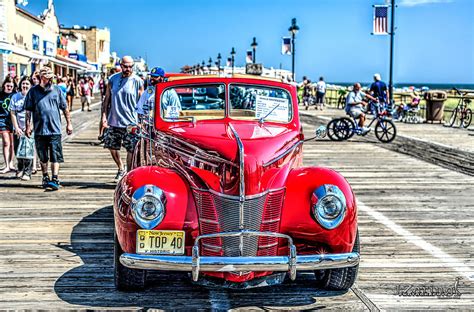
{"x": 435, "y": 105}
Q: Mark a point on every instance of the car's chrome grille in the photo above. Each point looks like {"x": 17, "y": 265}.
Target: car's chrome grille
{"x": 222, "y": 214}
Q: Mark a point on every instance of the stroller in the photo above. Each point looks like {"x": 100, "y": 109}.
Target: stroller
{"x": 411, "y": 113}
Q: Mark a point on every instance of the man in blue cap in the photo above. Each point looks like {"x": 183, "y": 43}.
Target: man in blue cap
{"x": 170, "y": 104}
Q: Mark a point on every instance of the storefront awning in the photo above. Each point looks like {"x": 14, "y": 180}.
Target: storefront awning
{"x": 5, "y": 48}
{"x": 70, "y": 63}
{"x": 9, "y": 48}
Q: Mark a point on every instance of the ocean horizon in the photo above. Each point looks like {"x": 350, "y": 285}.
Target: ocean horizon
{"x": 431, "y": 86}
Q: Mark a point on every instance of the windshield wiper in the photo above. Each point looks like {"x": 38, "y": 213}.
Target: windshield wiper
{"x": 262, "y": 119}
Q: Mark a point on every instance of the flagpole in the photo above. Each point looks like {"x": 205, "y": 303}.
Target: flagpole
{"x": 392, "y": 33}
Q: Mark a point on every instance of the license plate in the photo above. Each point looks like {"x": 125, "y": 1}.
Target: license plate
{"x": 160, "y": 242}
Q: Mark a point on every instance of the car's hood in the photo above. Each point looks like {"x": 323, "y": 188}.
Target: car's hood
{"x": 262, "y": 143}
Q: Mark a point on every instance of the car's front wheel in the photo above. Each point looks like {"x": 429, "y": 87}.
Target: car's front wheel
{"x": 126, "y": 279}
{"x": 338, "y": 279}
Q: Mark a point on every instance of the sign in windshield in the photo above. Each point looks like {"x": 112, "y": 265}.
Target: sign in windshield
{"x": 260, "y": 103}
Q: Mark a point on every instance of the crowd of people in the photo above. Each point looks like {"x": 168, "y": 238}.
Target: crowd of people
{"x": 313, "y": 93}
{"x": 30, "y": 117}
{"x": 30, "y": 122}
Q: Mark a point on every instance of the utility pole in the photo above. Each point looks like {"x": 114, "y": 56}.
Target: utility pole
{"x": 392, "y": 34}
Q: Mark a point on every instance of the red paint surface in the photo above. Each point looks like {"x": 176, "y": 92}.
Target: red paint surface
{"x": 262, "y": 143}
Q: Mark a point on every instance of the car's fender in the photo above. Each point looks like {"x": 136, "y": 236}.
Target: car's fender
{"x": 176, "y": 192}
{"x": 297, "y": 219}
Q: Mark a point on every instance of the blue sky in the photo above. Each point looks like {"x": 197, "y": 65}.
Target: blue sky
{"x": 434, "y": 40}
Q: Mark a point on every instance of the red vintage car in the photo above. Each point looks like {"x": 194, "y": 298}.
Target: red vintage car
{"x": 218, "y": 190}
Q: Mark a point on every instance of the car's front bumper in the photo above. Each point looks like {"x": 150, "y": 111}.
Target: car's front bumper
{"x": 196, "y": 263}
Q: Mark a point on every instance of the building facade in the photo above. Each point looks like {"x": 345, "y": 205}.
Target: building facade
{"x": 95, "y": 44}
{"x": 27, "y": 42}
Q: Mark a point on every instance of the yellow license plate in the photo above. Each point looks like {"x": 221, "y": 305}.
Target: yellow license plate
{"x": 160, "y": 242}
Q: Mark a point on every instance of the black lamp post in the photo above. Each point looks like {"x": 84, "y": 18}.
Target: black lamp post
{"x": 254, "y": 45}
{"x": 202, "y": 67}
{"x": 218, "y": 63}
{"x": 232, "y": 54}
{"x": 293, "y": 31}
{"x": 209, "y": 65}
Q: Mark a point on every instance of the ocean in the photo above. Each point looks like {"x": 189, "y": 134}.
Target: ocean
{"x": 431, "y": 86}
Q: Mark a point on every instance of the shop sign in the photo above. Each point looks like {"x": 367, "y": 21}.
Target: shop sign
{"x": 36, "y": 42}
{"x": 18, "y": 39}
{"x": 78, "y": 57}
{"x": 49, "y": 48}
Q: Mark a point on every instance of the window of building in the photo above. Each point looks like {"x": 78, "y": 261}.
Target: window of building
{"x": 101, "y": 45}
{"x": 84, "y": 46}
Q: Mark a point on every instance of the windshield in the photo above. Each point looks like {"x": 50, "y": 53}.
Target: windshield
{"x": 207, "y": 101}
{"x": 260, "y": 103}
{"x": 199, "y": 101}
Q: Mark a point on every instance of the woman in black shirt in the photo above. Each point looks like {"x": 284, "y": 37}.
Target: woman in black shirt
{"x": 6, "y": 127}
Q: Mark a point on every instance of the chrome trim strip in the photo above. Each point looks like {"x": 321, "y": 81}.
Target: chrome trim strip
{"x": 208, "y": 221}
{"x": 270, "y": 221}
{"x": 215, "y": 248}
{"x": 163, "y": 138}
{"x": 283, "y": 154}
{"x": 268, "y": 246}
{"x": 242, "y": 179}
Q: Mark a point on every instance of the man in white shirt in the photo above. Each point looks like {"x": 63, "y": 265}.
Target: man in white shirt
{"x": 320, "y": 93}
{"x": 355, "y": 105}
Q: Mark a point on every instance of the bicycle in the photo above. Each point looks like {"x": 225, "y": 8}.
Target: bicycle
{"x": 344, "y": 128}
{"x": 462, "y": 114}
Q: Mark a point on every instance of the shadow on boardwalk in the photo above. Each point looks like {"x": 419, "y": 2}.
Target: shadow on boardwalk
{"x": 92, "y": 284}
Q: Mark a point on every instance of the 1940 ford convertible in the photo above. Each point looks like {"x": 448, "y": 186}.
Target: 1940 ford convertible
{"x": 218, "y": 190}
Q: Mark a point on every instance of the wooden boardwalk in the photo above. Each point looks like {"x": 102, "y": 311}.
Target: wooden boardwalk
{"x": 416, "y": 223}
{"x": 452, "y": 148}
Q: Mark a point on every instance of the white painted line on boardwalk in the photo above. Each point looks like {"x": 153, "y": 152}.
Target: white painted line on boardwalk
{"x": 450, "y": 261}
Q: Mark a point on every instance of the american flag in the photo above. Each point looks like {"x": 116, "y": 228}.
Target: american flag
{"x": 381, "y": 20}
{"x": 249, "y": 58}
{"x": 286, "y": 46}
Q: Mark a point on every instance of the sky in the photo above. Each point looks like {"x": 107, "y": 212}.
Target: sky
{"x": 434, "y": 41}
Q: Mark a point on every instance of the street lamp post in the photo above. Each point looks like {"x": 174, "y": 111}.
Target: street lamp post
{"x": 202, "y": 67}
{"x": 218, "y": 63}
{"x": 293, "y": 31}
{"x": 232, "y": 54}
{"x": 209, "y": 65}
{"x": 254, "y": 45}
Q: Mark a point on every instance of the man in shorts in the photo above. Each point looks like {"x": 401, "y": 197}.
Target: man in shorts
{"x": 355, "y": 105}
{"x": 44, "y": 102}
{"x": 119, "y": 111}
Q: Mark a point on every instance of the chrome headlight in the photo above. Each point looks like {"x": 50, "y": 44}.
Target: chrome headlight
{"x": 328, "y": 206}
{"x": 148, "y": 206}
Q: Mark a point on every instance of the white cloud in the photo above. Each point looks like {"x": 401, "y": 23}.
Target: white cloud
{"x": 411, "y": 3}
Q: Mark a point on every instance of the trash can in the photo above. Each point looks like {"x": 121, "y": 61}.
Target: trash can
{"x": 435, "y": 105}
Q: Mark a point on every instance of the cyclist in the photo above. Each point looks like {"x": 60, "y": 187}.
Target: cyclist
{"x": 355, "y": 105}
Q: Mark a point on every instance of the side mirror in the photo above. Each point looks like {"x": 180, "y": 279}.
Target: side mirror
{"x": 321, "y": 132}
